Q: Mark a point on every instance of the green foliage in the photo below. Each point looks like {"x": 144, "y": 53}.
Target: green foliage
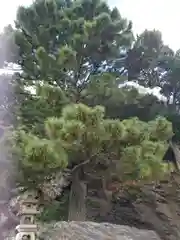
{"x": 8, "y": 49}
{"x": 129, "y": 148}
{"x": 60, "y": 42}
{"x": 143, "y": 57}
{"x": 56, "y": 211}
{"x": 34, "y": 109}
{"x": 154, "y": 64}
{"x": 37, "y": 158}
{"x": 121, "y": 102}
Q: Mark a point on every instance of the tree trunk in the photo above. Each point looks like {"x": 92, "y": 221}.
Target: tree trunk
{"x": 77, "y": 199}
{"x": 176, "y": 151}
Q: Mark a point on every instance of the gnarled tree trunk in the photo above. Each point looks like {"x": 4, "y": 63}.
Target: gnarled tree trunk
{"x": 77, "y": 199}
{"x": 176, "y": 150}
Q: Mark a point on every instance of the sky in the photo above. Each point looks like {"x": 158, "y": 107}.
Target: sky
{"x": 162, "y": 15}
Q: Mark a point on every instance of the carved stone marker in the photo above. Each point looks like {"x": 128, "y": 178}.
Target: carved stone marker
{"x": 28, "y": 210}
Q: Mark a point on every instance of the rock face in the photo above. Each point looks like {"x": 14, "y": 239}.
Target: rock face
{"x": 154, "y": 208}
{"x": 92, "y": 231}
{"x": 7, "y": 220}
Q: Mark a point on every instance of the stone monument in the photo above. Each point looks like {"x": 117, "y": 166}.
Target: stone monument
{"x": 27, "y": 228}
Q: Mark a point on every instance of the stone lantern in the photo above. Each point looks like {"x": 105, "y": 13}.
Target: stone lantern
{"x": 28, "y": 210}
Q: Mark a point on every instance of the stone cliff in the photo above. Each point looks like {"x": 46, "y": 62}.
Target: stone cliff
{"x": 155, "y": 208}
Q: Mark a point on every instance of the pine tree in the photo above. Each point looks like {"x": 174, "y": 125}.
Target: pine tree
{"x": 87, "y": 143}
{"x": 142, "y": 59}
{"x": 61, "y": 44}
{"x": 8, "y": 49}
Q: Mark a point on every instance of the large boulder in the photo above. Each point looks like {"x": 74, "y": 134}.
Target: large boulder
{"x": 92, "y": 230}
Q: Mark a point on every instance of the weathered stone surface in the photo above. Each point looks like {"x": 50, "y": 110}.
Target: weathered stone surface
{"x": 95, "y": 231}
{"x": 154, "y": 208}
{"x": 7, "y": 221}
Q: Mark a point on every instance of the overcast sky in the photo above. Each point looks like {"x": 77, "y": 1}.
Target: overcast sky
{"x": 163, "y": 15}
